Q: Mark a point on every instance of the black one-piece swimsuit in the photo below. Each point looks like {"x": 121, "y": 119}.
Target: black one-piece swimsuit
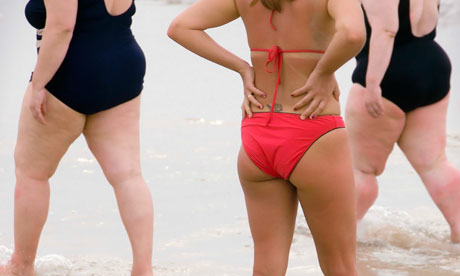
{"x": 419, "y": 71}
{"x": 104, "y": 66}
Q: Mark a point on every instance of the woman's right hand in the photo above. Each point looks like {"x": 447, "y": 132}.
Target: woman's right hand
{"x": 373, "y": 101}
{"x": 250, "y": 92}
{"x": 38, "y": 104}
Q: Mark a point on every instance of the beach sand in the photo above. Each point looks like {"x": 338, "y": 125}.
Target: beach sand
{"x": 190, "y": 139}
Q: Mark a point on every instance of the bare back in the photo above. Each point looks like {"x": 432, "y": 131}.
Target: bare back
{"x": 301, "y": 25}
{"x": 117, "y": 7}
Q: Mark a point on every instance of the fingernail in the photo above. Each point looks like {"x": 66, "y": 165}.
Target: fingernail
{"x": 302, "y": 117}
{"x": 312, "y": 117}
{"x": 295, "y": 108}
{"x": 264, "y": 95}
{"x": 292, "y": 95}
{"x": 260, "y": 107}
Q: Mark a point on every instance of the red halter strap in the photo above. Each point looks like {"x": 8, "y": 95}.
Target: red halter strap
{"x": 271, "y": 17}
{"x": 275, "y": 55}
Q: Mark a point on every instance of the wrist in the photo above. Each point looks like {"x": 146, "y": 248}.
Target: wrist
{"x": 372, "y": 83}
{"x": 319, "y": 71}
{"x": 36, "y": 86}
{"x": 243, "y": 68}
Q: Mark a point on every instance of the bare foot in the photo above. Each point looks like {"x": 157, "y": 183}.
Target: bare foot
{"x": 148, "y": 273}
{"x": 9, "y": 270}
{"x": 454, "y": 235}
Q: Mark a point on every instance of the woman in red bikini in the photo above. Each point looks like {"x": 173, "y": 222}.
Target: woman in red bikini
{"x": 293, "y": 150}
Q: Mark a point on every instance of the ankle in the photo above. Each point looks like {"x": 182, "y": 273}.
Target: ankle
{"x": 11, "y": 269}
{"x": 25, "y": 265}
{"x": 142, "y": 271}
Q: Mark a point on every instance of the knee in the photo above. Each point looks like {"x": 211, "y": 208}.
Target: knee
{"x": 270, "y": 262}
{"x": 341, "y": 269}
{"x": 117, "y": 175}
{"x": 366, "y": 185}
{"x": 26, "y": 170}
{"x": 427, "y": 161}
{"x": 369, "y": 191}
{"x": 444, "y": 180}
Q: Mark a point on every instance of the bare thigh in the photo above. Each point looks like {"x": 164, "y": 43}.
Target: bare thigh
{"x": 39, "y": 148}
{"x": 272, "y": 207}
{"x": 325, "y": 187}
{"x": 371, "y": 139}
{"x": 113, "y": 137}
{"x": 423, "y": 139}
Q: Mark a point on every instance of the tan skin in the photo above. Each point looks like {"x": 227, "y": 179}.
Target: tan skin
{"x": 47, "y": 127}
{"x": 326, "y": 199}
{"x": 375, "y": 124}
{"x": 297, "y": 67}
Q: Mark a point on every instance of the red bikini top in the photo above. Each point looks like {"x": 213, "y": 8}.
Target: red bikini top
{"x": 275, "y": 55}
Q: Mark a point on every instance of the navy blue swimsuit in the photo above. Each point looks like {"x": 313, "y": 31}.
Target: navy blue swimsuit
{"x": 419, "y": 71}
{"x": 104, "y": 66}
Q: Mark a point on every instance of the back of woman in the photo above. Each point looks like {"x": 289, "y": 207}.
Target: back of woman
{"x": 296, "y": 46}
{"x": 298, "y": 25}
{"x": 400, "y": 96}
{"x": 87, "y": 80}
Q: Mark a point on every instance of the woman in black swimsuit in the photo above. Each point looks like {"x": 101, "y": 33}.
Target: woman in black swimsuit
{"x": 88, "y": 78}
{"x": 400, "y": 95}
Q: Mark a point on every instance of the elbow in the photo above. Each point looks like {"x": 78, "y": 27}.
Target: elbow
{"x": 62, "y": 29}
{"x": 174, "y": 29}
{"x": 355, "y": 36}
{"x": 388, "y": 31}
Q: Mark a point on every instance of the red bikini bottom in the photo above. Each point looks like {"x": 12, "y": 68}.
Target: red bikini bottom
{"x": 276, "y": 148}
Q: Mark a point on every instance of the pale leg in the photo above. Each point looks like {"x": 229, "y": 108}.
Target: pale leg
{"x": 325, "y": 187}
{"x": 272, "y": 207}
{"x": 371, "y": 142}
{"x": 39, "y": 149}
{"x": 113, "y": 137}
{"x": 424, "y": 143}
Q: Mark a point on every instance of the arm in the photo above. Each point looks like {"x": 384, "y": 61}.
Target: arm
{"x": 423, "y": 16}
{"x": 347, "y": 41}
{"x": 384, "y": 21}
{"x": 349, "y": 38}
{"x": 188, "y": 29}
{"x": 60, "y": 22}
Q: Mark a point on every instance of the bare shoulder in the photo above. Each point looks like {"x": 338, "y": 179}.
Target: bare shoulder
{"x": 61, "y": 13}
{"x": 382, "y": 13}
{"x": 380, "y": 6}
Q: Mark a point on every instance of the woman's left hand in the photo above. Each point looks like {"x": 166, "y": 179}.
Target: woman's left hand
{"x": 250, "y": 92}
{"x": 317, "y": 91}
{"x": 38, "y": 104}
{"x": 373, "y": 101}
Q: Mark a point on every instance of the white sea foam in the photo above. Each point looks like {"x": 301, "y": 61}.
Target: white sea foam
{"x": 399, "y": 239}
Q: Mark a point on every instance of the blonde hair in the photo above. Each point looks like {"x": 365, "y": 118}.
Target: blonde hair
{"x": 270, "y": 4}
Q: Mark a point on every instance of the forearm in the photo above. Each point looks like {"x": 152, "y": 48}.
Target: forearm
{"x": 53, "y": 49}
{"x": 380, "y": 51}
{"x": 199, "y": 42}
{"x": 345, "y": 45}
